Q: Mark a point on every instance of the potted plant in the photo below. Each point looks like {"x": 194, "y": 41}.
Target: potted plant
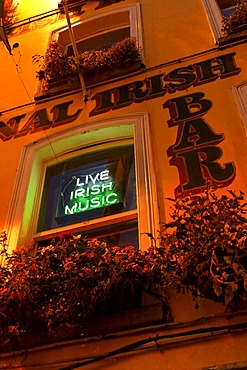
{"x": 56, "y": 67}
{"x": 121, "y": 58}
{"x": 237, "y": 21}
{"x": 202, "y": 251}
{"x": 36, "y": 286}
{"x": 205, "y": 246}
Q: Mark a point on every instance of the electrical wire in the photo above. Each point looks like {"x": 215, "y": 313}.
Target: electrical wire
{"x": 19, "y": 71}
{"x": 181, "y": 338}
{"x": 41, "y": 16}
{"x": 225, "y": 329}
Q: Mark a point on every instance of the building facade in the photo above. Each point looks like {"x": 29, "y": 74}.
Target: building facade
{"x": 170, "y": 126}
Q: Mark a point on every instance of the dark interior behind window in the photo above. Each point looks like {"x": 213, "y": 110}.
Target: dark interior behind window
{"x": 88, "y": 187}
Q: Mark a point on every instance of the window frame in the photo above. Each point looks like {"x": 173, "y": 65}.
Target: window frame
{"x": 134, "y": 18}
{"x": 240, "y": 94}
{"x": 214, "y": 17}
{"x": 87, "y": 225}
{"x": 24, "y": 206}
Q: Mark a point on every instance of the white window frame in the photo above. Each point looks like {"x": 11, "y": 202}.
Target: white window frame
{"x": 214, "y": 17}
{"x": 134, "y": 17}
{"x": 23, "y": 213}
{"x": 240, "y": 95}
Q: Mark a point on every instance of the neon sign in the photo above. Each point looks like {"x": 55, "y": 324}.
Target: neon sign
{"x": 87, "y": 192}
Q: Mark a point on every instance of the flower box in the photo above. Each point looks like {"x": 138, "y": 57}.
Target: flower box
{"x": 58, "y": 87}
{"x": 97, "y": 78}
{"x": 96, "y": 66}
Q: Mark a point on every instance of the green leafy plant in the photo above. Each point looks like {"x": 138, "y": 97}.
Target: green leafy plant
{"x": 206, "y": 245}
{"x": 54, "y": 66}
{"x": 57, "y": 66}
{"x": 123, "y": 54}
{"x": 60, "y": 285}
{"x": 202, "y": 250}
{"x": 237, "y": 19}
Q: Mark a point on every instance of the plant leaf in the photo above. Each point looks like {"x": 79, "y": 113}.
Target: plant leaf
{"x": 230, "y": 290}
{"x": 217, "y": 287}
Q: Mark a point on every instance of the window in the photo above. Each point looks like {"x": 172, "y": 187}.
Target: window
{"x": 215, "y": 10}
{"x": 97, "y": 179}
{"x": 95, "y": 185}
{"x": 240, "y": 94}
{"x": 104, "y": 30}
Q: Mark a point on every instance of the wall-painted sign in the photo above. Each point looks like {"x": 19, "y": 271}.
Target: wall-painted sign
{"x": 196, "y": 153}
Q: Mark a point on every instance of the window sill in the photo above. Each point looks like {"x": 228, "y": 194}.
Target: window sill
{"x": 94, "y": 79}
{"x": 237, "y": 36}
{"x": 58, "y": 88}
{"x": 68, "y": 85}
{"x": 148, "y": 314}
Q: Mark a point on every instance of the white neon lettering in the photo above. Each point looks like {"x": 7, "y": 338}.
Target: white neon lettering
{"x": 99, "y": 176}
{"x": 108, "y": 201}
{"x": 107, "y": 186}
{"x": 70, "y": 211}
{"x": 104, "y": 175}
{"x": 95, "y": 189}
{"x": 95, "y": 202}
{"x": 79, "y": 193}
{"x": 96, "y": 178}
{"x": 82, "y": 209}
{"x": 90, "y": 192}
{"x": 78, "y": 183}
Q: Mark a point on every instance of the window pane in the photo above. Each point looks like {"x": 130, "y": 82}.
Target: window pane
{"x": 224, "y": 4}
{"x": 122, "y": 235}
{"x": 88, "y": 187}
{"x": 227, "y": 12}
{"x": 104, "y": 41}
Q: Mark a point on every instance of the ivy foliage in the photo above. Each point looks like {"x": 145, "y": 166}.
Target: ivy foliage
{"x": 207, "y": 246}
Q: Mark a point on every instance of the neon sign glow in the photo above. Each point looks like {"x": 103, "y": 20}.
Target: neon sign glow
{"x": 88, "y": 192}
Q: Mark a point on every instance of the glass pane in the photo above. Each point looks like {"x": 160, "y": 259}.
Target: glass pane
{"x": 88, "y": 187}
{"x": 103, "y": 41}
{"x": 121, "y": 235}
{"x": 227, "y": 12}
{"x": 224, "y": 4}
